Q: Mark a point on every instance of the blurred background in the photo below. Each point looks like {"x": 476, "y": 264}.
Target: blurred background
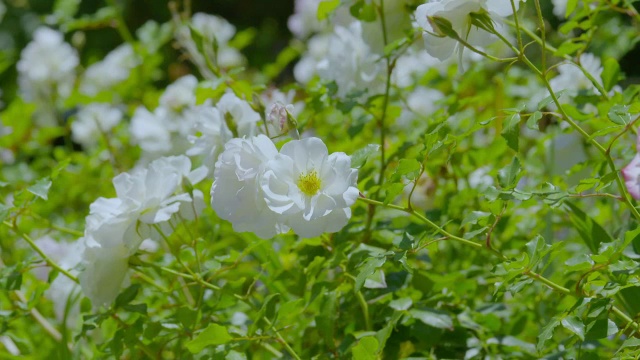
{"x": 264, "y": 21}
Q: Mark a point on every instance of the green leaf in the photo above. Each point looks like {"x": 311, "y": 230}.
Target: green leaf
{"x": 364, "y": 11}
{"x": 568, "y": 47}
{"x": 474, "y": 217}
{"x": 547, "y": 333}
{"x": 432, "y": 317}
{"x": 41, "y": 188}
{"x": 127, "y": 295}
{"x": 268, "y": 310}
{"x": 575, "y": 325}
{"x": 327, "y": 317}
{"x": 4, "y": 211}
{"x": 532, "y": 121}
{"x": 66, "y": 9}
{"x": 14, "y": 280}
{"x": 366, "y": 349}
{"x": 591, "y": 232}
{"x": 410, "y": 168}
{"x": 401, "y": 304}
{"x": 571, "y": 6}
{"x": 138, "y": 308}
{"x": 511, "y": 131}
{"x": 610, "y": 74}
{"x": 537, "y": 249}
{"x": 326, "y": 7}
{"x": 549, "y": 99}
{"x": 361, "y": 156}
{"x": 392, "y": 191}
{"x": 619, "y": 114}
{"x": 214, "y": 334}
{"x": 508, "y": 176}
{"x": 367, "y": 269}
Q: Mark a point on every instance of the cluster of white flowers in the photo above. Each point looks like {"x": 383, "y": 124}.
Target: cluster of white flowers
{"x": 165, "y": 131}
{"x": 267, "y": 192}
{"x": 457, "y": 12}
{"x": 93, "y": 121}
{"x": 147, "y": 201}
{"x": 47, "y": 67}
{"x": 112, "y": 70}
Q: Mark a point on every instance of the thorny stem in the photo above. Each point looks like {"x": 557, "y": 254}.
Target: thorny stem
{"x": 44, "y": 256}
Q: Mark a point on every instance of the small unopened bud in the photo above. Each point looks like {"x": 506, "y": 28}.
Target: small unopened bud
{"x": 280, "y": 117}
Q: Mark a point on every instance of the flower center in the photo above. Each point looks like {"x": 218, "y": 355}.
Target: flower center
{"x": 309, "y": 183}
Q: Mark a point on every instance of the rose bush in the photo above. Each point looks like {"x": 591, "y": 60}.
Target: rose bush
{"x": 363, "y": 194}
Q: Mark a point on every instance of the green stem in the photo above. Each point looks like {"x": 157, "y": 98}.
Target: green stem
{"x": 549, "y": 283}
{"x": 365, "y": 310}
{"x": 282, "y": 340}
{"x": 623, "y": 190}
{"x": 515, "y": 19}
{"x": 120, "y": 24}
{"x": 542, "y": 35}
{"x": 533, "y": 275}
{"x": 201, "y": 281}
{"x": 44, "y": 256}
{"x": 423, "y": 219}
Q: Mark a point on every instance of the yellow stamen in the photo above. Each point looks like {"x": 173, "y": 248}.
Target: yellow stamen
{"x": 309, "y": 183}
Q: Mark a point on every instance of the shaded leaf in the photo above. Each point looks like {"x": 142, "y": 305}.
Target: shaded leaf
{"x": 214, "y": 334}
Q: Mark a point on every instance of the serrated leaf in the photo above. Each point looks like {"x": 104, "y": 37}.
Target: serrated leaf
{"x": 532, "y": 121}
{"x": 41, "y": 188}
{"x": 536, "y": 250}
{"x": 410, "y": 168}
{"x": 575, "y": 325}
{"x": 547, "y": 333}
{"x": 432, "y": 317}
{"x": 549, "y": 99}
{"x": 366, "y": 349}
{"x": 474, "y": 217}
{"x": 368, "y": 267}
{"x": 590, "y": 231}
{"x": 392, "y": 190}
{"x": 361, "y": 156}
{"x": 214, "y": 334}
{"x": 126, "y": 296}
{"x": 610, "y": 74}
{"x": 511, "y": 131}
{"x": 619, "y": 114}
{"x": 508, "y": 176}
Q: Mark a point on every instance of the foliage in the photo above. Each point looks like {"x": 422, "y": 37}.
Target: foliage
{"x": 493, "y": 218}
